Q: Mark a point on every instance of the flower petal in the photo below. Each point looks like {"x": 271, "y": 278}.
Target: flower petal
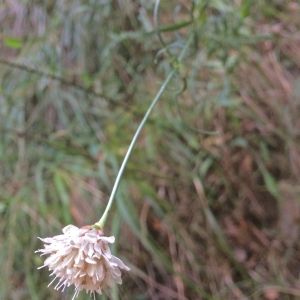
{"x": 70, "y": 230}
{"x": 82, "y": 257}
{"x": 110, "y": 239}
{"x": 120, "y": 263}
{"x": 90, "y": 261}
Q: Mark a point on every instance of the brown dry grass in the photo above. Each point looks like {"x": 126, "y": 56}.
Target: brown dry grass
{"x": 199, "y": 216}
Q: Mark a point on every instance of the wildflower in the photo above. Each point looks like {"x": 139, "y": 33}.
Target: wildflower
{"x": 82, "y": 257}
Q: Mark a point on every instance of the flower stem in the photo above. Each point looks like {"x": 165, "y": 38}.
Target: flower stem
{"x": 102, "y": 221}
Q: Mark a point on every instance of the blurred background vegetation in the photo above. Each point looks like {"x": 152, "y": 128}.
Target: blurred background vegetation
{"x": 197, "y": 216}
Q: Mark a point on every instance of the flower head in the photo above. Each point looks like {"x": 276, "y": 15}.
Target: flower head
{"x": 82, "y": 257}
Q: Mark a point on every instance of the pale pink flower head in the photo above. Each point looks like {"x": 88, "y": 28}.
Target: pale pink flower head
{"x": 82, "y": 257}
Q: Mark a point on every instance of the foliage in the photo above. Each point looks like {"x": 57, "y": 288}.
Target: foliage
{"x": 198, "y": 216}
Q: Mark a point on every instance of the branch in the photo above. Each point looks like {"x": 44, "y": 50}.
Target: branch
{"x": 57, "y": 78}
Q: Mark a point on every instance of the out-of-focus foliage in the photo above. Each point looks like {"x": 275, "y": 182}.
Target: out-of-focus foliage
{"x": 198, "y": 216}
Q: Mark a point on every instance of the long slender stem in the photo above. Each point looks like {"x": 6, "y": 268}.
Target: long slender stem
{"x": 102, "y": 221}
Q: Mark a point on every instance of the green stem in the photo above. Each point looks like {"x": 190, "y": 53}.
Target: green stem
{"x": 102, "y": 221}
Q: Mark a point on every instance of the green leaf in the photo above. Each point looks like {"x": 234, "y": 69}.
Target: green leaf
{"x": 13, "y": 42}
{"x": 60, "y": 185}
{"x": 271, "y": 184}
{"x": 205, "y": 166}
